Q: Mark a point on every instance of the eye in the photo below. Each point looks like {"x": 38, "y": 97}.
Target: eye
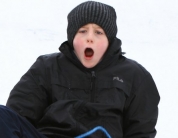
{"x": 82, "y": 31}
{"x": 99, "y": 32}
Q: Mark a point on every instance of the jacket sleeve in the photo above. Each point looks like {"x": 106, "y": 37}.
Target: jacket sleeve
{"x": 29, "y": 97}
{"x": 141, "y": 110}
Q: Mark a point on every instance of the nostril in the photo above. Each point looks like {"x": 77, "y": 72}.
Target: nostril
{"x": 91, "y": 41}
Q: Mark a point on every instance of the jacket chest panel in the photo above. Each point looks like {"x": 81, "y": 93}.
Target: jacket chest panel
{"x": 105, "y": 91}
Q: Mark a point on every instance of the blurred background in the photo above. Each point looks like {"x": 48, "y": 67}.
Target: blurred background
{"x": 148, "y": 30}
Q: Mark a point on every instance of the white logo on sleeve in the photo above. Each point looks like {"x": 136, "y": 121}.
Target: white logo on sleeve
{"x": 118, "y": 79}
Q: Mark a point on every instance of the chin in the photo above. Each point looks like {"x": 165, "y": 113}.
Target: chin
{"x": 89, "y": 65}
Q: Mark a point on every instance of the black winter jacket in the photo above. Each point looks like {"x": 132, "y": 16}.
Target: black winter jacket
{"x": 63, "y": 99}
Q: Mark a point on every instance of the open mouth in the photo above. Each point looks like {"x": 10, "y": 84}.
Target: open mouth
{"x": 89, "y": 52}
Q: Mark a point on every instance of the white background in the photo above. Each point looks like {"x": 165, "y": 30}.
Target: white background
{"x": 147, "y": 28}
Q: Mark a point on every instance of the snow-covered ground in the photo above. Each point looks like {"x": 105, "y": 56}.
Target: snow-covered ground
{"x": 148, "y": 30}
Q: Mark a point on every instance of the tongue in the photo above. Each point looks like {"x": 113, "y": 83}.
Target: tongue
{"x": 89, "y": 52}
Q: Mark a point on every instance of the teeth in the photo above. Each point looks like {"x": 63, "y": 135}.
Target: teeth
{"x": 89, "y": 52}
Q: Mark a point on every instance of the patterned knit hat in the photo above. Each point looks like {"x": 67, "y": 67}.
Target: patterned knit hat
{"x": 92, "y": 12}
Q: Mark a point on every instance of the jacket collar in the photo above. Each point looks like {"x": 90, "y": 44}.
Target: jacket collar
{"x": 113, "y": 52}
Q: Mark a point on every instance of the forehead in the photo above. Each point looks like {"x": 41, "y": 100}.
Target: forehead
{"x": 91, "y": 25}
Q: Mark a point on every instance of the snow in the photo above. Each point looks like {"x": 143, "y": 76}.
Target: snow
{"x": 148, "y": 30}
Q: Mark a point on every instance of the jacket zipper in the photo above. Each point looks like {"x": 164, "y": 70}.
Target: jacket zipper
{"x": 93, "y": 76}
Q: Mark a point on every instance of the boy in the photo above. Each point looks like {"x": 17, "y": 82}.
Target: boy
{"x": 90, "y": 83}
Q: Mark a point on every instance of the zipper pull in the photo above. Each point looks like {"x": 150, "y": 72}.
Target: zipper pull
{"x": 92, "y": 79}
{"x": 93, "y": 74}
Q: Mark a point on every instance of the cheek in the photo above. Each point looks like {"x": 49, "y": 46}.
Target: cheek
{"x": 77, "y": 43}
{"x": 102, "y": 47}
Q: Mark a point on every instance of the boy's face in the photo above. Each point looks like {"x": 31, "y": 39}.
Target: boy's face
{"x": 90, "y": 44}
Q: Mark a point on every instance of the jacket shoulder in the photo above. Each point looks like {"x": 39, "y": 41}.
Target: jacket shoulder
{"x": 49, "y": 59}
{"x": 50, "y": 56}
{"x": 136, "y": 67}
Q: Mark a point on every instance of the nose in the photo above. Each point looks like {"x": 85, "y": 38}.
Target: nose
{"x": 90, "y": 37}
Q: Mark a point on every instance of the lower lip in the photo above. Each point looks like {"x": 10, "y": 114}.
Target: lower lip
{"x": 88, "y": 58}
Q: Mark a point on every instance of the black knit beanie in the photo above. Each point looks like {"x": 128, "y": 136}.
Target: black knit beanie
{"x": 92, "y": 12}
